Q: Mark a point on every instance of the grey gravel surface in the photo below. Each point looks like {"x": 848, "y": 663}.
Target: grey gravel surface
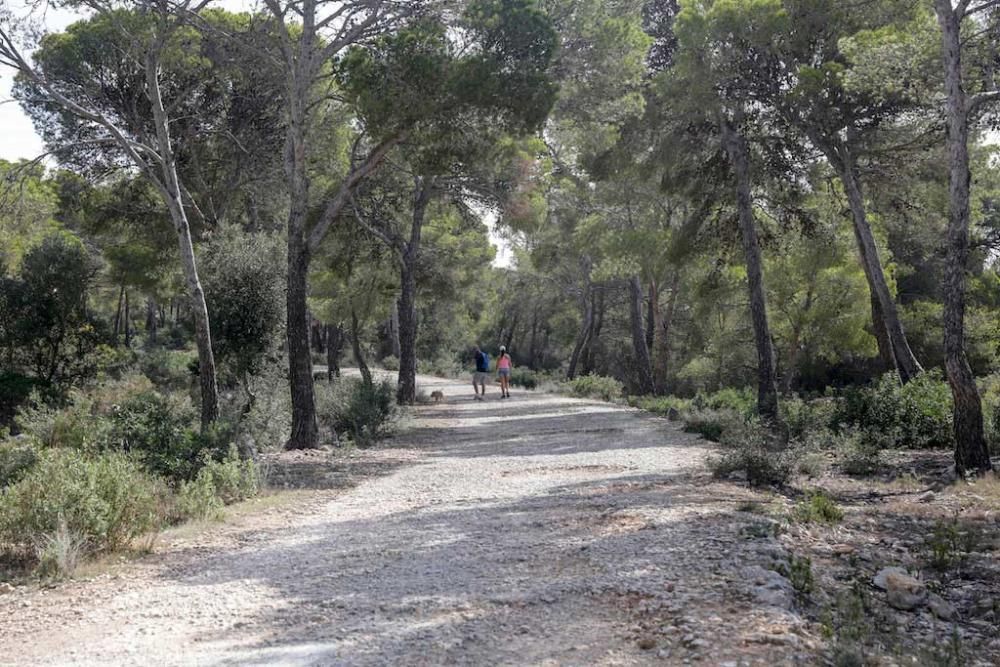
{"x": 539, "y": 530}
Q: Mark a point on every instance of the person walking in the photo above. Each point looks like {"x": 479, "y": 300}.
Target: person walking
{"x": 479, "y": 375}
{"x": 504, "y": 367}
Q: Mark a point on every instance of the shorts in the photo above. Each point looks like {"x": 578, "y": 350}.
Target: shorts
{"x": 504, "y": 372}
{"x": 479, "y": 377}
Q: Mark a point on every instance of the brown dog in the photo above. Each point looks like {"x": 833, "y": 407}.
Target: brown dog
{"x": 437, "y": 395}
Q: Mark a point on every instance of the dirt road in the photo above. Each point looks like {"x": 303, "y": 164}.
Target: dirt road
{"x": 536, "y": 530}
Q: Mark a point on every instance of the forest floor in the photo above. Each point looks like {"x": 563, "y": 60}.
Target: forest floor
{"x": 537, "y": 530}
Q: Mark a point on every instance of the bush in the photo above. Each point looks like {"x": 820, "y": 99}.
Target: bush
{"x": 523, "y": 377}
{"x": 390, "y": 363}
{"x": 16, "y": 459}
{"x": 595, "y": 386}
{"x": 756, "y": 451}
{"x": 169, "y": 370}
{"x": 803, "y": 418}
{"x": 158, "y": 429}
{"x": 914, "y": 415}
{"x": 817, "y": 507}
{"x": 217, "y": 484}
{"x": 76, "y": 425}
{"x": 860, "y": 453}
{"x": 661, "y": 405}
{"x": 107, "y": 500}
{"x": 362, "y": 411}
{"x": 711, "y": 424}
{"x": 742, "y": 401}
{"x": 14, "y": 392}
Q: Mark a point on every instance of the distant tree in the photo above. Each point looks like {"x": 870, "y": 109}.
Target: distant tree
{"x": 44, "y": 318}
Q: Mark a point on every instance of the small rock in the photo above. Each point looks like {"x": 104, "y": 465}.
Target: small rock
{"x": 904, "y": 592}
{"x": 879, "y": 579}
{"x": 940, "y": 607}
{"x": 6, "y": 588}
{"x": 737, "y": 476}
{"x": 926, "y": 497}
{"x": 843, "y": 549}
{"x": 647, "y": 643}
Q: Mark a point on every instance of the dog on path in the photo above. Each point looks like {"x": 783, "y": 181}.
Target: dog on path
{"x": 437, "y": 395}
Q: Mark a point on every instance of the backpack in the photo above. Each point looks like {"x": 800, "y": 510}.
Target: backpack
{"x": 483, "y": 363}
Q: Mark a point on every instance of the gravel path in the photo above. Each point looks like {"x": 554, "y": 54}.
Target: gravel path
{"x": 537, "y": 530}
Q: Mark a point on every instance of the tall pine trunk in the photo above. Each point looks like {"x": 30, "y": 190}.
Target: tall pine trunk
{"x": 903, "y": 358}
{"x": 739, "y": 155}
{"x": 663, "y": 326}
{"x": 305, "y": 429}
{"x": 643, "y": 366}
{"x": 586, "y": 325}
{"x": 406, "y": 393}
{"x": 170, "y": 188}
{"x": 971, "y": 451}
{"x": 334, "y": 344}
{"x": 359, "y": 356}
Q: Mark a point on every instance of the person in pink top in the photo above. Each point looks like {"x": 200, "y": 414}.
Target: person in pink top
{"x": 503, "y": 370}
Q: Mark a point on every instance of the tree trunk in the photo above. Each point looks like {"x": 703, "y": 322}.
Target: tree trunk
{"x": 585, "y": 328}
{"x": 316, "y": 329}
{"x": 118, "y": 314}
{"x": 508, "y": 339}
{"x": 152, "y": 319}
{"x": 532, "y": 346}
{"x": 597, "y": 298}
{"x": 643, "y": 365}
{"x": 334, "y": 344}
{"x": 739, "y": 154}
{"x": 971, "y": 451}
{"x": 652, "y": 306}
{"x": 904, "y": 360}
{"x": 394, "y": 330}
{"x": 881, "y": 335}
{"x": 661, "y": 336}
{"x": 305, "y": 429}
{"x": 359, "y": 357}
{"x": 172, "y": 192}
{"x": 406, "y": 393}
{"x": 127, "y": 320}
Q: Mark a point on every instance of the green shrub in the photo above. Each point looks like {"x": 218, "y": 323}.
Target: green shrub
{"x": 390, "y": 363}
{"x": 756, "y": 451}
{"x": 14, "y": 392}
{"x": 16, "y": 459}
{"x": 196, "y": 499}
{"x": 742, "y": 401}
{"x": 158, "y": 428}
{"x": 106, "y": 499}
{"x": 169, "y": 370}
{"x": 217, "y": 484}
{"x": 75, "y": 425}
{"x": 361, "y": 411}
{"x": 711, "y": 424}
{"x": 802, "y": 418}
{"x": 860, "y": 452}
{"x": 661, "y": 405}
{"x": 595, "y": 386}
{"x": 232, "y": 478}
{"x": 524, "y": 377}
{"x": 914, "y": 415}
{"x": 817, "y": 507}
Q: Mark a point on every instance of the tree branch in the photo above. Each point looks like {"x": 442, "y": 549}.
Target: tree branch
{"x": 354, "y": 177}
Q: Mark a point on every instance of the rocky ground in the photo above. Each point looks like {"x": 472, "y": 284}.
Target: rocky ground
{"x": 537, "y": 530}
